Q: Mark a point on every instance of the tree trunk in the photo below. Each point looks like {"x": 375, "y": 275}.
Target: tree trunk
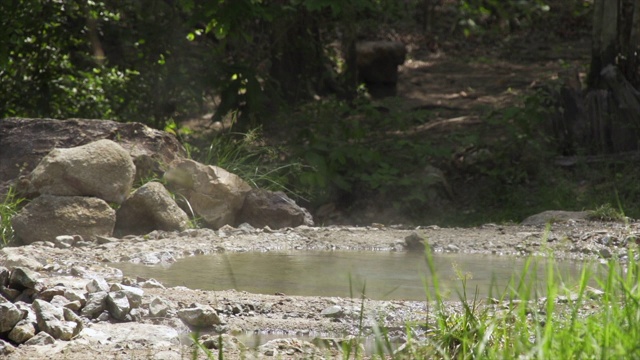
{"x": 612, "y": 103}
{"x": 604, "y": 40}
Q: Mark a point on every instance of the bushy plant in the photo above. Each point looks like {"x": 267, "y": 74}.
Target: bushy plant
{"x": 249, "y": 156}
{"x": 8, "y": 208}
{"x": 356, "y": 150}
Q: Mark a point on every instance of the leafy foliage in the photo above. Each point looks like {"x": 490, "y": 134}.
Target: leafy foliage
{"x": 8, "y": 208}
{"x": 361, "y": 150}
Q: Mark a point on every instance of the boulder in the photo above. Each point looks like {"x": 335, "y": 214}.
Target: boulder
{"x": 23, "y": 278}
{"x": 199, "y": 315}
{"x": 42, "y": 338}
{"x": 48, "y": 216}
{"x": 151, "y": 207}
{"x": 96, "y": 304}
{"x": 158, "y": 307}
{"x": 31, "y": 139}
{"x": 102, "y": 169}
{"x": 23, "y": 331}
{"x": 213, "y": 193}
{"x": 52, "y": 321}
{"x": 274, "y": 209}
{"x": 118, "y": 304}
{"x": 10, "y": 315}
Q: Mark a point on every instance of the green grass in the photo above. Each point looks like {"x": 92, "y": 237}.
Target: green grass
{"x": 8, "y": 208}
{"x": 250, "y": 157}
{"x": 569, "y": 320}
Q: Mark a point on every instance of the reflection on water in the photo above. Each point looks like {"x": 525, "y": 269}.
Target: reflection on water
{"x": 382, "y": 275}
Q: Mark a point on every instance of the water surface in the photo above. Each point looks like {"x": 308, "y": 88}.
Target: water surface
{"x": 380, "y": 275}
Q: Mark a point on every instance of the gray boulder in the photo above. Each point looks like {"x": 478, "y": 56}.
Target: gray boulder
{"x": 199, "y": 315}
{"x": 6, "y": 348}
{"x": 102, "y": 169}
{"x": 274, "y": 209}
{"x": 31, "y": 139}
{"x": 96, "y": 304}
{"x": 97, "y": 284}
{"x": 213, "y": 193}
{"x": 151, "y": 207}
{"x": 158, "y": 307}
{"x": 10, "y": 315}
{"x": 52, "y": 321}
{"x": 23, "y": 331}
{"x": 23, "y": 278}
{"x": 48, "y": 216}
{"x": 118, "y": 304}
{"x": 41, "y": 338}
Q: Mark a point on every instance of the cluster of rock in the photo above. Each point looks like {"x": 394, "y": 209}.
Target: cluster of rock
{"x": 75, "y": 190}
{"x": 35, "y": 313}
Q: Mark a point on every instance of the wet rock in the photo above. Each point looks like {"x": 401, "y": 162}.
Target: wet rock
{"x": 51, "y": 320}
{"x": 49, "y": 216}
{"x": 151, "y": 207}
{"x": 118, "y": 305}
{"x": 213, "y": 193}
{"x": 23, "y": 278}
{"x": 41, "y": 338}
{"x": 10, "y": 315}
{"x": 101, "y": 169}
{"x": 415, "y": 242}
{"x": 158, "y": 307}
{"x": 96, "y": 304}
{"x": 199, "y": 315}
{"x": 23, "y": 331}
{"x": 273, "y": 209}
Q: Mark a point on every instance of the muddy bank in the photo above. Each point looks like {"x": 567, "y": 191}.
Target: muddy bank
{"x": 273, "y": 315}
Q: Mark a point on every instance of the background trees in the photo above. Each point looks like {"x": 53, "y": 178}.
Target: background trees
{"x": 287, "y": 68}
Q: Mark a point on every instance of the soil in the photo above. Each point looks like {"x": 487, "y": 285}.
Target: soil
{"x": 280, "y": 315}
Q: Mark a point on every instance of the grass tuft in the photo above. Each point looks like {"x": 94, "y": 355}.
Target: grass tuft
{"x": 8, "y": 209}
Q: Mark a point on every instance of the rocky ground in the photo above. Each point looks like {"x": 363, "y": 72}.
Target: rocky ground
{"x": 71, "y": 264}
